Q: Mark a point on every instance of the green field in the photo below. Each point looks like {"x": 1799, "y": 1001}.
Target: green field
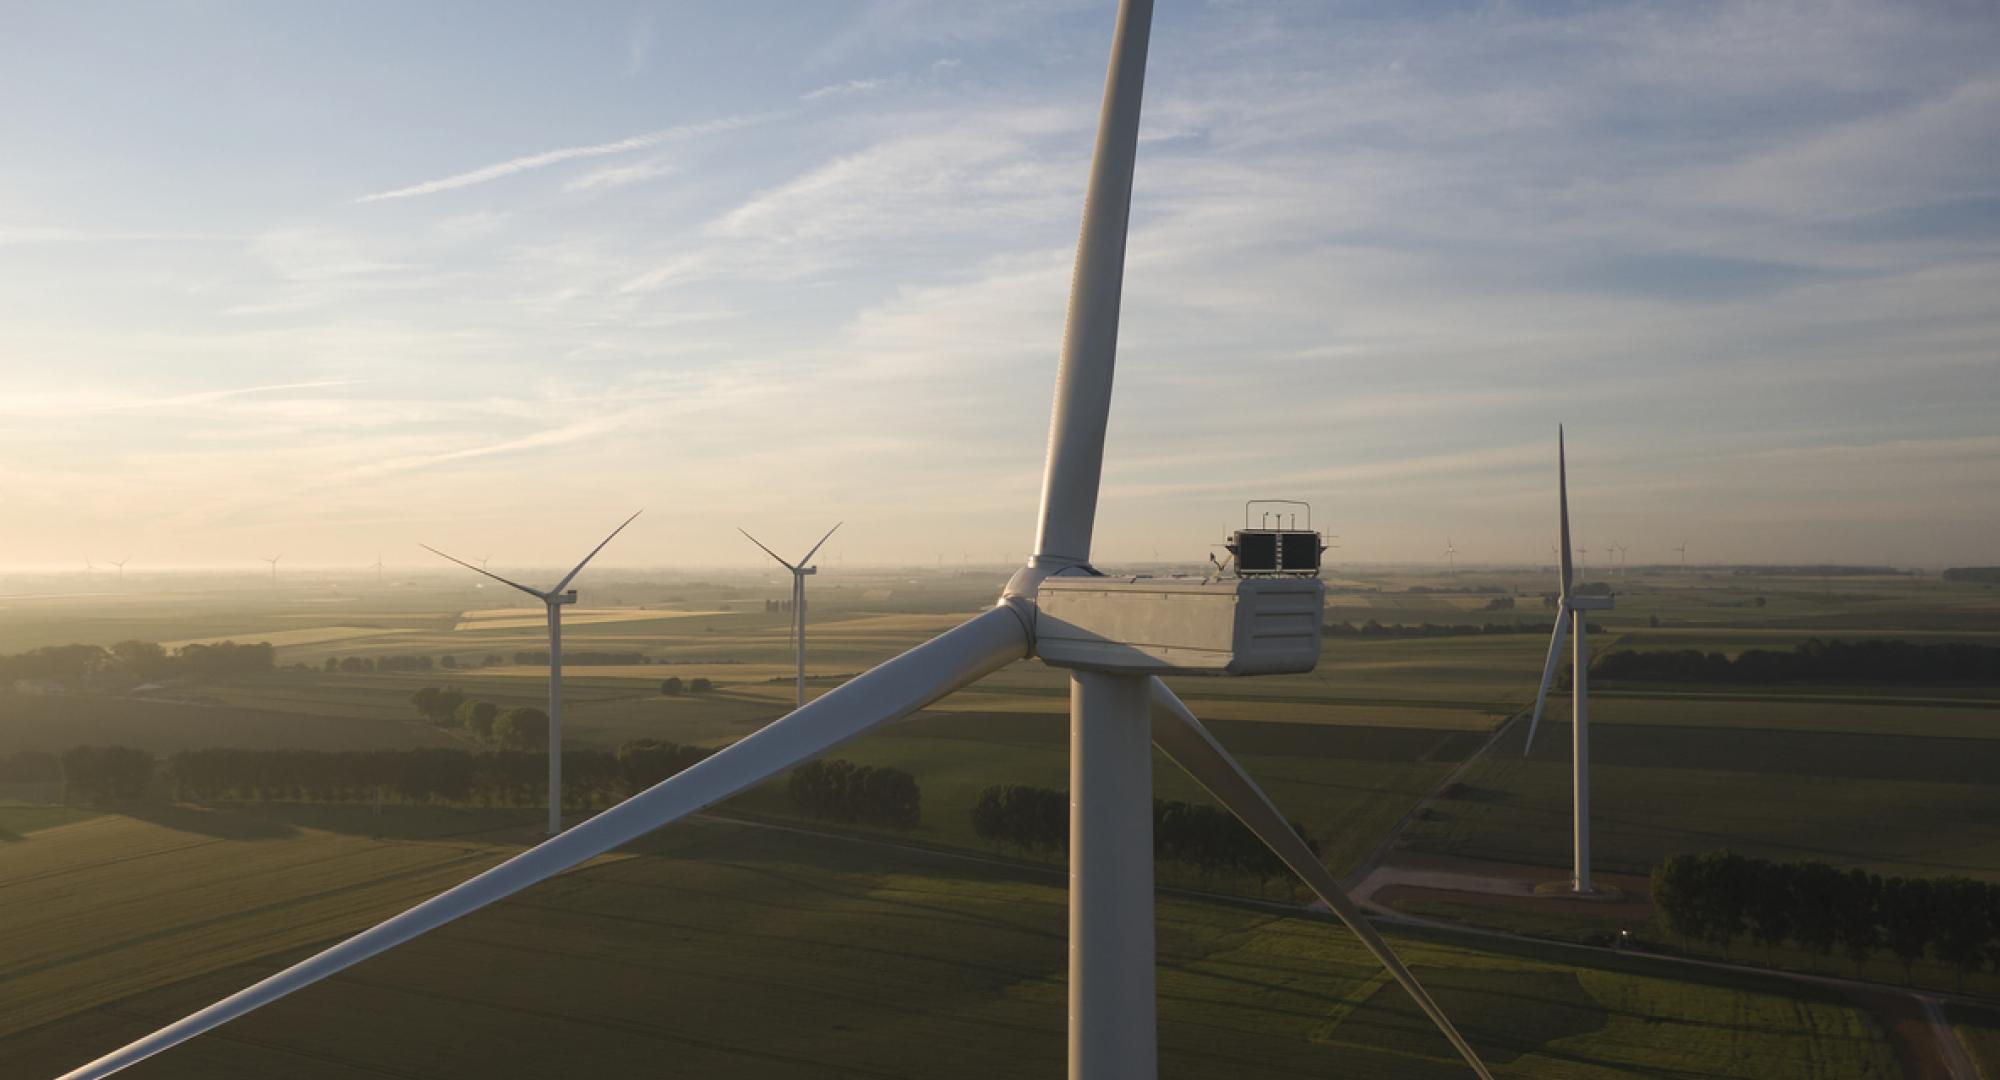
{"x": 718, "y": 949}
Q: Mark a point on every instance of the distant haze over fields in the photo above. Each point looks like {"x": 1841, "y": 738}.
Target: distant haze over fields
{"x": 332, "y": 281}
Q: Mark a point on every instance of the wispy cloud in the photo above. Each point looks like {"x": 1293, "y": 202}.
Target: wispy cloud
{"x": 531, "y": 162}
{"x": 639, "y": 46}
{"x": 617, "y": 176}
{"x": 843, "y": 89}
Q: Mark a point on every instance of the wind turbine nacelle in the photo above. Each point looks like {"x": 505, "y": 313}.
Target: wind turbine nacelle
{"x": 1180, "y": 626}
{"x": 568, "y": 597}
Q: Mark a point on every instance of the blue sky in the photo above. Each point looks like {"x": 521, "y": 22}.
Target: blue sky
{"x": 335, "y": 279}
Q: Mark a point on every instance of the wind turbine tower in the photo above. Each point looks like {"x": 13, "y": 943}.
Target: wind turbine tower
{"x": 1572, "y": 609}
{"x": 800, "y": 571}
{"x": 120, "y": 564}
{"x": 554, "y": 600}
{"x": 1683, "y": 549}
{"x": 1114, "y": 637}
{"x": 1450, "y": 555}
{"x": 273, "y": 560}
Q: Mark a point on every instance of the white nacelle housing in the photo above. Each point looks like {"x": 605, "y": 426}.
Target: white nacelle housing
{"x": 1180, "y": 626}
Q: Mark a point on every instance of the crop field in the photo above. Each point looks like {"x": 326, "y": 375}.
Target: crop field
{"x": 1893, "y": 803}
{"x": 56, "y": 722}
{"x": 720, "y": 949}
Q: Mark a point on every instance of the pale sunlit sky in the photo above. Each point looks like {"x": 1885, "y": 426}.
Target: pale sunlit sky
{"x": 333, "y": 279}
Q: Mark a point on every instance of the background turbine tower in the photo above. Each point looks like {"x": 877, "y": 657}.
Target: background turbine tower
{"x": 378, "y": 568}
{"x": 1568, "y": 606}
{"x": 553, "y": 599}
{"x": 120, "y": 564}
{"x": 1114, "y": 710}
{"x": 1450, "y": 554}
{"x": 273, "y": 560}
{"x": 799, "y": 574}
{"x": 1683, "y": 549}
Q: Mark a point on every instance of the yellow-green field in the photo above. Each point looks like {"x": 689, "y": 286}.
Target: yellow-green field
{"x": 724, "y": 950}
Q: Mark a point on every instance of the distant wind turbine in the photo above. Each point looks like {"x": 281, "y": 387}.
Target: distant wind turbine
{"x": 273, "y": 560}
{"x": 800, "y": 572}
{"x": 553, "y": 599}
{"x": 1683, "y": 549}
{"x": 120, "y": 564}
{"x": 1575, "y": 609}
{"x": 1450, "y": 554}
{"x": 378, "y": 568}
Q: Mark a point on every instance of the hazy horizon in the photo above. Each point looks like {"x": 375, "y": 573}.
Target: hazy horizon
{"x": 333, "y": 281}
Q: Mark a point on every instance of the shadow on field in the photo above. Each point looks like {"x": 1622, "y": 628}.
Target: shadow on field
{"x": 278, "y": 821}
{"x": 224, "y": 823}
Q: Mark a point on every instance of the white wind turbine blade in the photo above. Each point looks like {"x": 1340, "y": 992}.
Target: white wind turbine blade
{"x": 571, "y": 576}
{"x": 822, "y": 543}
{"x": 767, "y": 551}
{"x": 891, "y": 691}
{"x": 1184, "y": 740}
{"x": 1090, "y": 335}
{"x": 1548, "y": 675}
{"x": 536, "y": 593}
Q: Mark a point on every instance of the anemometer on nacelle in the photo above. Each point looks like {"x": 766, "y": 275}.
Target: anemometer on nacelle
{"x": 1262, "y": 619}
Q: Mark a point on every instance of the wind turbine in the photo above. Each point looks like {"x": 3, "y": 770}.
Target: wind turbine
{"x": 1683, "y": 549}
{"x": 1450, "y": 554}
{"x": 273, "y": 560}
{"x": 800, "y": 572}
{"x": 1568, "y": 606}
{"x": 1113, "y": 713}
{"x": 553, "y": 599}
{"x": 120, "y": 564}
{"x": 378, "y": 568}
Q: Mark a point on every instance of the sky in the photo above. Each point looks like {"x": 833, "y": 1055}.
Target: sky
{"x": 332, "y": 280}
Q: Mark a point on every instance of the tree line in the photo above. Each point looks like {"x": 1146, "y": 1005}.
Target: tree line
{"x": 135, "y": 661}
{"x": 1374, "y": 629}
{"x": 1985, "y": 575}
{"x": 582, "y": 658}
{"x": 840, "y": 790}
{"x": 1720, "y": 897}
{"x": 1211, "y": 840}
{"x": 522, "y": 727}
{"x": 1873, "y": 661}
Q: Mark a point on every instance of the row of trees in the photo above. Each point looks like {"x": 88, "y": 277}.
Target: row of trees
{"x": 1720, "y": 897}
{"x": 582, "y": 658}
{"x": 135, "y": 661}
{"x": 455, "y": 777}
{"x": 1873, "y": 661}
{"x": 410, "y": 662}
{"x": 523, "y": 727}
{"x": 1036, "y": 819}
{"x": 1374, "y": 629}
{"x": 106, "y": 773}
{"x": 1987, "y": 575}
{"x": 840, "y": 790}
{"x": 672, "y": 686}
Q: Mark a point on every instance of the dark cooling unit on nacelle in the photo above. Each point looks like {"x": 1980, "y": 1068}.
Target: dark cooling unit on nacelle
{"x": 1276, "y": 545}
